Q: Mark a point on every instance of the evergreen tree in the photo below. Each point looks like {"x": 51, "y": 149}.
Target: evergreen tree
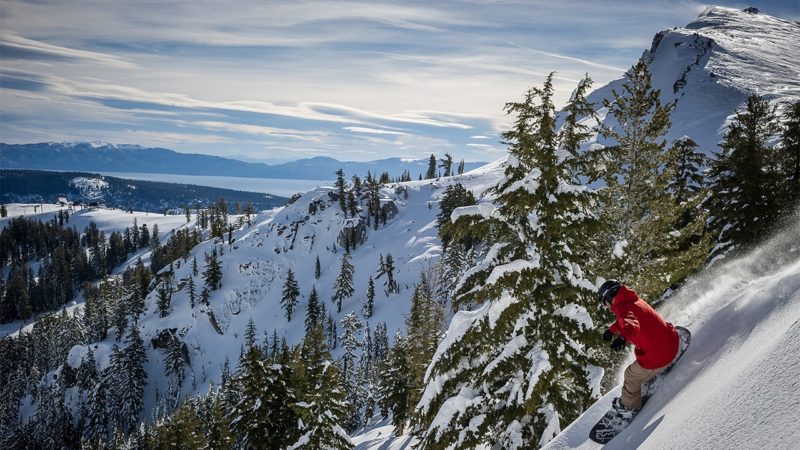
{"x": 369, "y": 302}
{"x": 164, "y": 297}
{"x": 290, "y": 295}
{"x": 637, "y": 208}
{"x": 387, "y": 268}
{"x": 455, "y": 196}
{"x": 686, "y": 165}
{"x": 422, "y": 325}
{"x": 317, "y": 269}
{"x": 213, "y": 273}
{"x": 343, "y": 286}
{"x": 313, "y": 317}
{"x": 395, "y": 388}
{"x": 352, "y": 205}
{"x": 52, "y": 422}
{"x": 341, "y": 188}
{"x": 264, "y": 417}
{"x": 351, "y": 329}
{"x": 191, "y": 288}
{"x": 332, "y": 334}
{"x": 460, "y": 167}
{"x": 175, "y": 360}
{"x": 322, "y": 407}
{"x": 130, "y": 379}
{"x": 447, "y": 164}
{"x": 529, "y": 359}
{"x": 96, "y": 419}
{"x": 250, "y": 334}
{"x": 788, "y": 157}
{"x": 743, "y": 206}
{"x": 431, "y": 173}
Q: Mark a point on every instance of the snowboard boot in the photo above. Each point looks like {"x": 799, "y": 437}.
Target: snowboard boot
{"x": 621, "y": 412}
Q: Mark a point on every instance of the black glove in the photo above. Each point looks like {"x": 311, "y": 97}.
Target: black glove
{"x": 618, "y": 344}
{"x": 608, "y": 335}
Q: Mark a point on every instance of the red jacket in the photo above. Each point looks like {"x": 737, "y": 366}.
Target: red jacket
{"x": 656, "y": 341}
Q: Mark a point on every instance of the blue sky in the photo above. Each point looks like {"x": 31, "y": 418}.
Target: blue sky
{"x": 278, "y": 81}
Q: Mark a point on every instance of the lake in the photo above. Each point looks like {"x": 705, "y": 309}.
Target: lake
{"x": 275, "y": 186}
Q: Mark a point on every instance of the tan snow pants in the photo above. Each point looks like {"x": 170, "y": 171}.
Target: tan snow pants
{"x": 635, "y": 376}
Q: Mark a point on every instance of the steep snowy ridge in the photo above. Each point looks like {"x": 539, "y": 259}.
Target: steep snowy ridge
{"x": 708, "y": 68}
{"x": 737, "y": 384}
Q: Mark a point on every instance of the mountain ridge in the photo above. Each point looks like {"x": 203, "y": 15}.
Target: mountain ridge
{"x": 97, "y": 156}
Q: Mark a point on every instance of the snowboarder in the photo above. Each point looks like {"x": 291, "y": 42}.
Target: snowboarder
{"x": 656, "y": 342}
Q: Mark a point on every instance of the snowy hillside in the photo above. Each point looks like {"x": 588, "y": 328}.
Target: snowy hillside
{"x": 106, "y": 220}
{"x": 737, "y": 384}
{"x": 708, "y": 68}
{"x": 255, "y": 267}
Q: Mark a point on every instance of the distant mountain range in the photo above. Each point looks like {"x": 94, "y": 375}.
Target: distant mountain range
{"x": 106, "y": 157}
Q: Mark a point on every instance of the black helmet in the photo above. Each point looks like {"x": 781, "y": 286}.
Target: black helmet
{"x": 608, "y": 290}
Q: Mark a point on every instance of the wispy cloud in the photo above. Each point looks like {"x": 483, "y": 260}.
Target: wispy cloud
{"x": 18, "y": 47}
{"x": 373, "y": 131}
{"x": 353, "y": 79}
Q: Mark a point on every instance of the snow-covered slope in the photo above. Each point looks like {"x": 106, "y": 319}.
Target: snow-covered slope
{"x": 708, "y": 68}
{"x": 738, "y": 384}
{"x": 106, "y": 220}
{"x": 255, "y": 267}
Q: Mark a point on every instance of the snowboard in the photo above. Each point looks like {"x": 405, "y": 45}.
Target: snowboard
{"x": 610, "y": 425}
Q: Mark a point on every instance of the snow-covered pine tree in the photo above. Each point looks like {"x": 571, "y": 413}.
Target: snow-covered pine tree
{"x": 369, "y": 300}
{"x": 264, "y": 417}
{"x": 688, "y": 243}
{"x": 789, "y": 155}
{"x": 451, "y": 266}
{"x": 381, "y": 346}
{"x": 163, "y": 299}
{"x": 395, "y": 385}
{"x": 175, "y": 359}
{"x": 512, "y": 371}
{"x": 351, "y": 381}
{"x": 322, "y": 407}
{"x": 352, "y": 204}
{"x": 52, "y": 422}
{"x": 313, "y": 314}
{"x": 250, "y": 335}
{"x": 637, "y": 210}
{"x": 743, "y": 205}
{"x": 130, "y": 379}
{"x": 454, "y": 196}
{"x": 191, "y": 288}
{"x": 343, "y": 286}
{"x": 317, "y": 269}
{"x": 96, "y": 419}
{"x": 290, "y": 295}
{"x": 213, "y": 273}
{"x": 368, "y": 374}
{"x": 331, "y": 332}
{"x": 422, "y": 331}
{"x": 686, "y": 165}
{"x": 387, "y": 268}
